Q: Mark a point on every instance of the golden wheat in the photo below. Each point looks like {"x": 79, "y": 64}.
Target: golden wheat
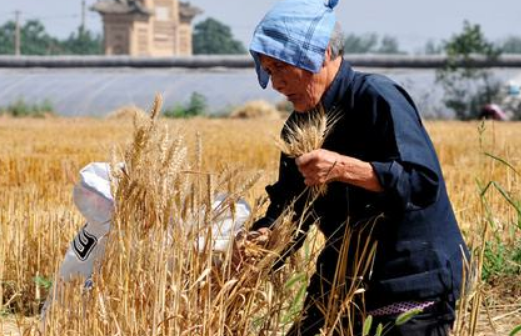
{"x": 39, "y": 160}
{"x": 305, "y": 133}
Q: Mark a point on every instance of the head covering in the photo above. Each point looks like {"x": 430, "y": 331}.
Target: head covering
{"x": 296, "y": 32}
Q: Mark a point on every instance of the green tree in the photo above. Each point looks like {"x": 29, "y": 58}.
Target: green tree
{"x": 83, "y": 42}
{"x": 213, "y": 37}
{"x": 432, "y": 48}
{"x": 511, "y": 45}
{"x": 33, "y": 37}
{"x": 196, "y": 106}
{"x": 468, "y": 88}
{"x": 7, "y": 38}
{"x": 36, "y": 41}
{"x": 371, "y": 43}
{"x": 20, "y": 108}
{"x": 360, "y": 44}
{"x": 389, "y": 45}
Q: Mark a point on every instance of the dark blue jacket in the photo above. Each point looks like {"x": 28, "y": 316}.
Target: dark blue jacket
{"x": 419, "y": 253}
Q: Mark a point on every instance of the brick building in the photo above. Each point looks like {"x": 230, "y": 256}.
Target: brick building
{"x": 158, "y": 28}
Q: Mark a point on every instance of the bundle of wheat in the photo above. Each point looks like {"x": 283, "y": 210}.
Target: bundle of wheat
{"x": 124, "y": 113}
{"x": 256, "y": 109}
{"x": 306, "y": 133}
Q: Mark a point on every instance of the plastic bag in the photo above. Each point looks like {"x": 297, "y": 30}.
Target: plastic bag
{"x": 94, "y": 200}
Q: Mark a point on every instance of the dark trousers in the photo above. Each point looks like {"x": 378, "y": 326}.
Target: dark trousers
{"x": 433, "y": 321}
{"x": 319, "y": 310}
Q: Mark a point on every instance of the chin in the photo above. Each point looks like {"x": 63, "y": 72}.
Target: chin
{"x": 303, "y": 108}
{"x": 305, "y": 104}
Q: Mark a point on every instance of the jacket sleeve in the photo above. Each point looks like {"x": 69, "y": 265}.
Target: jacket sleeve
{"x": 287, "y": 194}
{"x": 282, "y": 194}
{"x": 407, "y": 167}
{"x": 279, "y": 194}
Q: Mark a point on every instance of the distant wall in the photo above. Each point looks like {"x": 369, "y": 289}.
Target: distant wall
{"x": 242, "y": 61}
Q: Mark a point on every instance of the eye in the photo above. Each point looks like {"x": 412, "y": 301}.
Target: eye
{"x": 277, "y": 67}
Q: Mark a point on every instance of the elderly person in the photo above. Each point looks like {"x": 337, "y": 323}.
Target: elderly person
{"x": 380, "y": 167}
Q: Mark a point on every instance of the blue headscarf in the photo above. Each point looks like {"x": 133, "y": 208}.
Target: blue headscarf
{"x": 295, "y": 32}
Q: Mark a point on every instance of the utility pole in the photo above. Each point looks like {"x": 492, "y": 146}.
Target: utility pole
{"x": 83, "y": 14}
{"x": 17, "y": 39}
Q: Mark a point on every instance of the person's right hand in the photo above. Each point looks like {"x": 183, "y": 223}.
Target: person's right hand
{"x": 259, "y": 237}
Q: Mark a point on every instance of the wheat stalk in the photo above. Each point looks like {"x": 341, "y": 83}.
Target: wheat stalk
{"x": 307, "y": 133}
{"x": 157, "y": 280}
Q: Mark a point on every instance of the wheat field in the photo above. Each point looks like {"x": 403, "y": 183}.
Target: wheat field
{"x": 39, "y": 164}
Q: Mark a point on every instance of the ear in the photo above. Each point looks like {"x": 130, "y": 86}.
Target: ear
{"x": 327, "y": 56}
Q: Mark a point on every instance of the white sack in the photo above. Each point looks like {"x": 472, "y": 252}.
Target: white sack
{"x": 94, "y": 200}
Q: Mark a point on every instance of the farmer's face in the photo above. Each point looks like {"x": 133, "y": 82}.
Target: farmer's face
{"x": 301, "y": 87}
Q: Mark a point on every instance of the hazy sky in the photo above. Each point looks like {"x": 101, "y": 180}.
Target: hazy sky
{"x": 413, "y": 22}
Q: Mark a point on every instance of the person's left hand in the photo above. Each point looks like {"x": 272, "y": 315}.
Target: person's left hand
{"x": 319, "y": 166}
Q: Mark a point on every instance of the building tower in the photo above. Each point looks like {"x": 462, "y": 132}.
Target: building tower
{"x": 160, "y": 28}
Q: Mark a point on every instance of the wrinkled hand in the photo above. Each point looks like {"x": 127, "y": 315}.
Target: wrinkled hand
{"x": 258, "y": 237}
{"x": 319, "y": 166}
